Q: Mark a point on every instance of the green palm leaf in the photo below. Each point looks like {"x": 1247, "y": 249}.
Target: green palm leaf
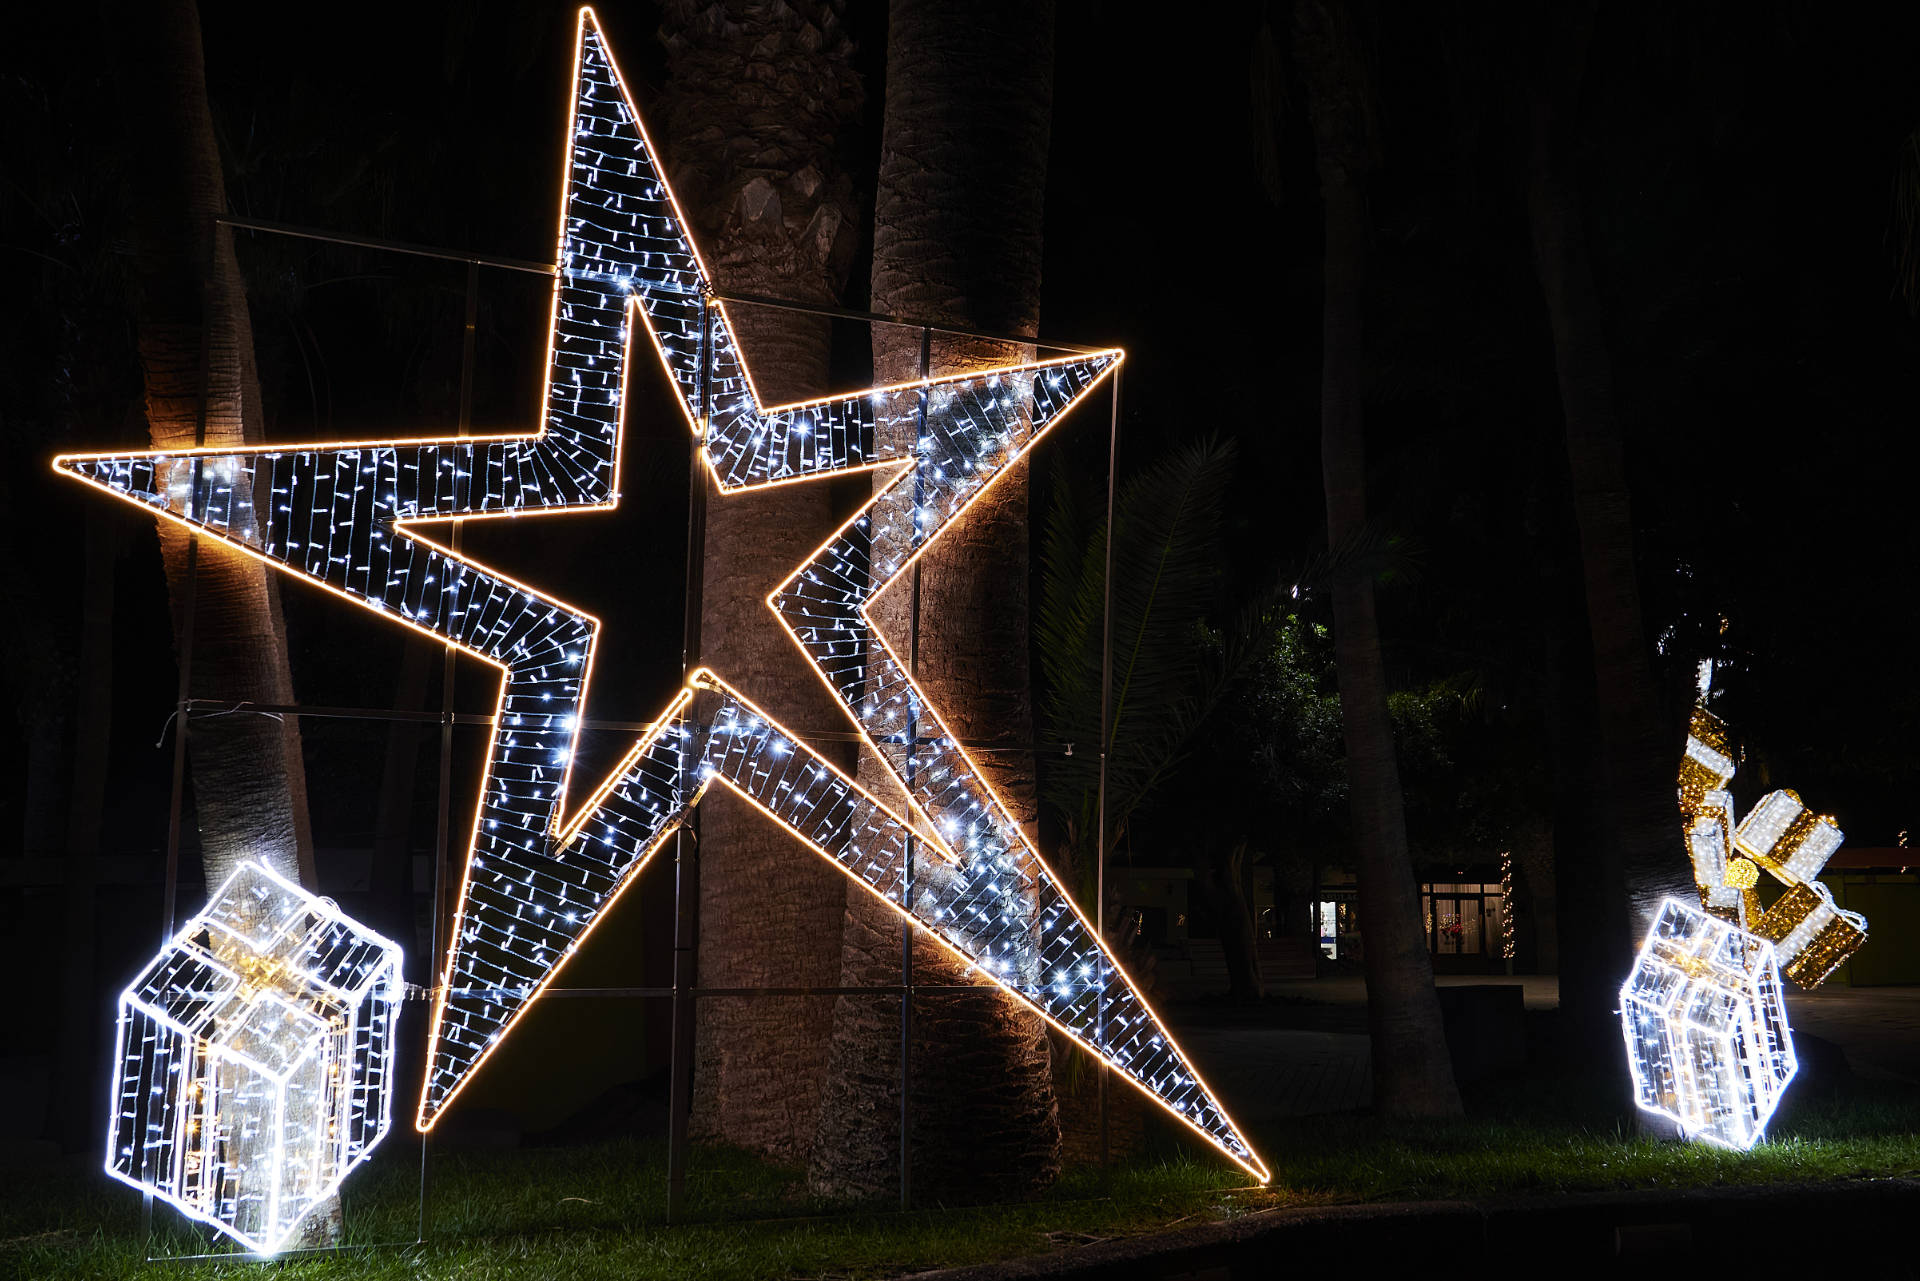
{"x": 1168, "y": 671}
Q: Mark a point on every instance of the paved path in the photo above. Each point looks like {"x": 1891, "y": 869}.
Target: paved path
{"x": 1621, "y": 1233}
{"x": 1265, "y": 1073}
{"x": 1306, "y": 1053}
{"x": 1541, "y": 991}
{"x": 1878, "y": 1027}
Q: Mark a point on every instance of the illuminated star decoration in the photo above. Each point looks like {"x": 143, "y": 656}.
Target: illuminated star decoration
{"x": 537, "y": 878}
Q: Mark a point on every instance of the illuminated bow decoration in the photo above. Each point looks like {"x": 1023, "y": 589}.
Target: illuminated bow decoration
{"x": 1811, "y": 936}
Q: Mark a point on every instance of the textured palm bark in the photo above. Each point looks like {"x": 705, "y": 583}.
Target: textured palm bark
{"x": 757, "y": 93}
{"x": 1225, "y": 877}
{"x": 1412, "y": 1074}
{"x": 190, "y": 315}
{"x": 957, "y": 240}
{"x": 249, "y": 783}
{"x": 1638, "y": 747}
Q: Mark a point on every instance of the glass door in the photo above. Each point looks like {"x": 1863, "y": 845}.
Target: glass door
{"x": 1456, "y": 922}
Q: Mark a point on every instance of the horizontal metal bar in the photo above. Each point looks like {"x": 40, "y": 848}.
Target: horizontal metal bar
{"x": 39, "y": 871}
{"x": 663, "y": 993}
{"x": 208, "y": 708}
{"x": 547, "y": 269}
{"x": 879, "y": 318}
{"x": 390, "y": 246}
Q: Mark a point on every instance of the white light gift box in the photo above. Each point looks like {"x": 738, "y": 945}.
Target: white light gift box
{"x": 254, "y": 1065}
{"x": 1706, "y": 1027}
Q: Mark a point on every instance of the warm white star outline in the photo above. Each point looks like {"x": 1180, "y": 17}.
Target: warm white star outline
{"x": 346, "y": 516}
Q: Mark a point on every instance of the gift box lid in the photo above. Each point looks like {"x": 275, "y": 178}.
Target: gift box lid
{"x": 260, "y": 936}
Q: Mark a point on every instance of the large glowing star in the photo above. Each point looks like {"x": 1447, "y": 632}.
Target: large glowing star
{"x": 254, "y": 1063}
{"x": 539, "y": 873}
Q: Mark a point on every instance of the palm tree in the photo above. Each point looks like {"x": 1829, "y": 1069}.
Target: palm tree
{"x": 1412, "y": 1075}
{"x": 1166, "y": 554}
{"x": 193, "y": 332}
{"x": 1169, "y": 673}
{"x": 756, "y": 96}
{"x": 1631, "y": 862}
{"x": 1170, "y": 670}
{"x": 957, "y": 237}
{"x": 190, "y": 310}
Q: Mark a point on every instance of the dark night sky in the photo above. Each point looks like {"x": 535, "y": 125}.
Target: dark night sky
{"x": 1739, "y": 167}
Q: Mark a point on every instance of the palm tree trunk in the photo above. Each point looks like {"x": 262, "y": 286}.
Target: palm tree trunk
{"x": 957, "y": 238}
{"x": 757, "y": 93}
{"x": 1412, "y": 1074}
{"x": 1637, "y": 859}
{"x": 249, "y": 784}
{"x": 1225, "y": 882}
{"x": 190, "y": 315}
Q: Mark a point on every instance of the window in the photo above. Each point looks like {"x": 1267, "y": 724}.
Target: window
{"x": 1463, "y": 918}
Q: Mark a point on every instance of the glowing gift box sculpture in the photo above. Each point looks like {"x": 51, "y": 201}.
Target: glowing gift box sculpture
{"x": 1811, "y": 936}
{"x": 1706, "y": 1027}
{"x": 1702, "y": 1011}
{"x": 255, "y": 1059}
{"x": 548, "y": 858}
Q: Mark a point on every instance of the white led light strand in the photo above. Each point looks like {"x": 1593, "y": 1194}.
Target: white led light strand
{"x": 536, "y": 880}
{"x": 1702, "y": 1012}
{"x": 254, "y": 1060}
{"x": 1706, "y": 1027}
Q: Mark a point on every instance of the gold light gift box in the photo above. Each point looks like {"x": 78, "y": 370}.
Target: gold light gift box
{"x": 1811, "y": 936}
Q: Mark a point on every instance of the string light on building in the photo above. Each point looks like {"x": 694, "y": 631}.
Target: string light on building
{"x": 1706, "y": 1027}
{"x": 1506, "y": 905}
{"x": 254, "y": 1059}
{"x": 541, "y": 873}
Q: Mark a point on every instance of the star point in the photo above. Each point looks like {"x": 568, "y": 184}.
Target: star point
{"x": 540, "y": 875}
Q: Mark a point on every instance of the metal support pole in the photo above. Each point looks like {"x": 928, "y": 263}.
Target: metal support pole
{"x": 686, "y": 845}
{"x": 169, "y": 895}
{"x": 1106, "y": 714}
{"x": 913, "y": 749}
{"x": 443, "y": 816}
{"x": 680, "y": 1067}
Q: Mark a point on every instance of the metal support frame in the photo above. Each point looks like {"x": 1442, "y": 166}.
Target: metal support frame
{"x": 443, "y": 814}
{"x": 912, "y": 843}
{"x": 683, "y": 992}
{"x": 227, "y": 707}
{"x": 1106, "y": 733}
{"x": 686, "y": 841}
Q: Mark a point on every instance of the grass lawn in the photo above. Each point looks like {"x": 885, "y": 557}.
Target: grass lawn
{"x": 579, "y": 1214}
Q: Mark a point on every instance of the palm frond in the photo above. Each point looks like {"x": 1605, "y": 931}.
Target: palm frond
{"x": 1373, "y": 551}
{"x": 1166, "y": 682}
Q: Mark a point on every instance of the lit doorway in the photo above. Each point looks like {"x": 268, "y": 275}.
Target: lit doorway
{"x": 1464, "y": 924}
